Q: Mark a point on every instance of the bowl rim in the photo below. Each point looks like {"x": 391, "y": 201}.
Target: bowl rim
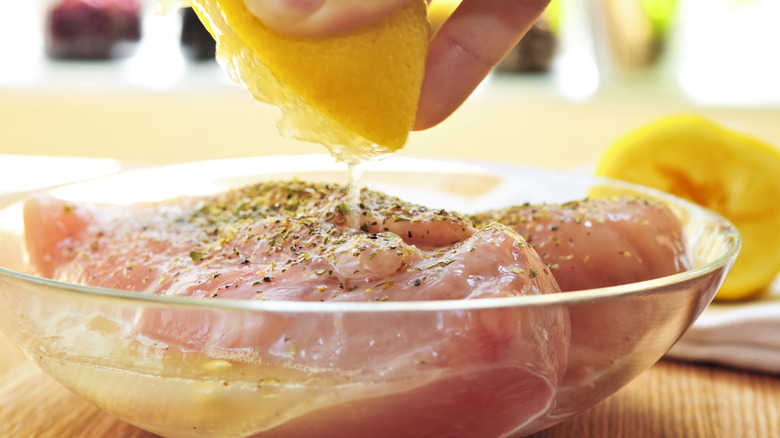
{"x": 646, "y": 287}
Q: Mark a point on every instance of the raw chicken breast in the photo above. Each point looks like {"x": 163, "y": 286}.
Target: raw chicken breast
{"x": 597, "y": 243}
{"x": 481, "y": 373}
{"x": 600, "y": 242}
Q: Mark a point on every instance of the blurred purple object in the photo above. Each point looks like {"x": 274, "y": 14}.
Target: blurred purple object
{"x": 91, "y": 29}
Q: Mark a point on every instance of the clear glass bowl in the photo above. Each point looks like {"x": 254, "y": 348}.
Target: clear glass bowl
{"x": 360, "y": 374}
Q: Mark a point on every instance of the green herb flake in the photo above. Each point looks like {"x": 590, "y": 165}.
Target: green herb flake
{"x": 343, "y": 209}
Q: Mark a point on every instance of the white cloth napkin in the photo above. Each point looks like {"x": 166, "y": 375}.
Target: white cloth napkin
{"x": 741, "y": 335}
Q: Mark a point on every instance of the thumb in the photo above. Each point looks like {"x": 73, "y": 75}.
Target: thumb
{"x": 319, "y": 17}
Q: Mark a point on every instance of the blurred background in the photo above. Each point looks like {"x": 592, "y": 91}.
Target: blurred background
{"x": 114, "y": 79}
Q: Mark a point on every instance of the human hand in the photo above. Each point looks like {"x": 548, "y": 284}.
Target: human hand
{"x": 477, "y": 36}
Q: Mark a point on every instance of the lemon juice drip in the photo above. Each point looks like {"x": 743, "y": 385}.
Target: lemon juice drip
{"x": 354, "y": 173}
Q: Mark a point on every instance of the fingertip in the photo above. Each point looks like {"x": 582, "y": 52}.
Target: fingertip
{"x": 466, "y": 48}
{"x": 451, "y": 75}
{"x": 425, "y": 120}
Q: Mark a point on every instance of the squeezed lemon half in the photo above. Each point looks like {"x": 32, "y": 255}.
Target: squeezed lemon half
{"x": 727, "y": 171}
{"x": 355, "y": 92}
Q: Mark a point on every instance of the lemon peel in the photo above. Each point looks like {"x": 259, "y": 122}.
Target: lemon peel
{"x": 729, "y": 172}
{"x": 355, "y": 92}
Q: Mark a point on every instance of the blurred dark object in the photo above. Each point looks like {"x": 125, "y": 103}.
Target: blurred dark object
{"x": 533, "y": 54}
{"x": 91, "y": 29}
{"x": 195, "y": 38}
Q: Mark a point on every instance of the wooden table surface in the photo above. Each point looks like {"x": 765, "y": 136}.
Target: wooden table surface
{"x": 671, "y": 399}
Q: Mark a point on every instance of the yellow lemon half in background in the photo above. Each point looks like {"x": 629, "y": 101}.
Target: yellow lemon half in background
{"x": 729, "y": 172}
{"x": 355, "y": 92}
